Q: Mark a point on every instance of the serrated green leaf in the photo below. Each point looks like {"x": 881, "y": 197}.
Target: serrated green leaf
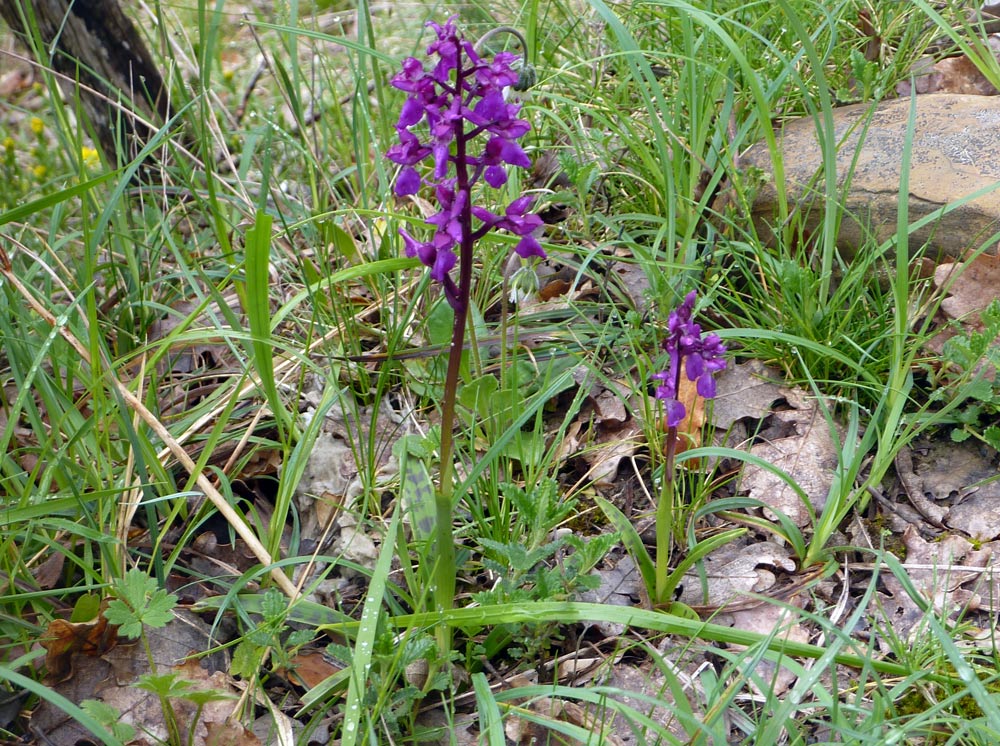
{"x": 273, "y": 606}
{"x": 110, "y": 718}
{"x": 300, "y": 637}
{"x": 246, "y": 661}
{"x": 119, "y": 613}
{"x": 139, "y": 601}
{"x": 992, "y": 436}
{"x": 164, "y": 684}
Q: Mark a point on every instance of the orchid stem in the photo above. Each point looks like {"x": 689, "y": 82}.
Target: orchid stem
{"x": 665, "y": 519}
{"x": 444, "y": 568}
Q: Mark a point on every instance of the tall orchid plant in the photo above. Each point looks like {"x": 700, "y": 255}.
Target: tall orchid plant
{"x": 459, "y": 118}
{"x": 700, "y": 357}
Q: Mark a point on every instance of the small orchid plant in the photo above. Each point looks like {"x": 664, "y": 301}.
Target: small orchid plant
{"x": 700, "y": 357}
{"x": 469, "y": 128}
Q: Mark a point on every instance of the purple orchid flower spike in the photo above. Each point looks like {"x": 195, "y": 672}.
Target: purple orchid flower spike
{"x": 701, "y": 357}
{"x": 472, "y": 130}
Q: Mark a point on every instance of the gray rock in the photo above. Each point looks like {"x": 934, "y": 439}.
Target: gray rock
{"x": 956, "y": 151}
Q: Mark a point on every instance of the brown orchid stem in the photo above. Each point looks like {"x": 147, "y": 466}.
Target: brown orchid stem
{"x": 665, "y": 508}
{"x": 444, "y": 567}
{"x": 665, "y": 519}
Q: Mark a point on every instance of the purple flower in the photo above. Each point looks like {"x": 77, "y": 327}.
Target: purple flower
{"x": 460, "y": 102}
{"x": 702, "y": 358}
{"x": 409, "y": 150}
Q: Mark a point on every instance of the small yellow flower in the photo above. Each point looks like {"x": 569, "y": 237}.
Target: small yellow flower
{"x": 89, "y": 157}
{"x": 9, "y": 145}
{"x": 37, "y": 125}
{"x": 39, "y": 171}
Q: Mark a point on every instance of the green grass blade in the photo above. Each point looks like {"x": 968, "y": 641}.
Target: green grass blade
{"x": 258, "y": 310}
{"x": 365, "y": 643}
{"x": 490, "y": 720}
{"x": 633, "y": 543}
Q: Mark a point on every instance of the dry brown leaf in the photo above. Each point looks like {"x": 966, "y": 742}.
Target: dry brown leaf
{"x": 939, "y": 576}
{"x": 635, "y": 280}
{"x": 764, "y": 619}
{"x": 610, "y": 447}
{"x": 526, "y": 732}
{"x": 63, "y": 640}
{"x": 48, "y": 573}
{"x": 977, "y": 285}
{"x": 953, "y": 485}
{"x": 310, "y": 668}
{"x": 620, "y": 586}
{"x": 638, "y": 685}
{"x": 732, "y": 571}
{"x": 950, "y": 75}
{"x": 689, "y": 430}
{"x": 809, "y": 456}
{"x": 609, "y": 409}
{"x": 553, "y": 290}
{"x": 111, "y": 676}
{"x": 745, "y": 391}
{"x": 228, "y": 733}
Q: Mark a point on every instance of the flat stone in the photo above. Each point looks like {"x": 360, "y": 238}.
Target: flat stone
{"x": 955, "y": 152}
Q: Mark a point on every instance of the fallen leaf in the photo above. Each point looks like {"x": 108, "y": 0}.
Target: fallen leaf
{"x": 635, "y": 281}
{"x": 609, "y": 448}
{"x": 353, "y": 545}
{"x": 62, "y": 640}
{"x": 620, "y": 586}
{"x": 973, "y": 288}
{"x": 553, "y": 290}
{"x": 770, "y": 619}
{"x": 49, "y": 572}
{"x": 809, "y": 455}
{"x": 228, "y": 733}
{"x": 938, "y": 575}
{"x": 951, "y": 75}
{"x": 732, "y": 572}
{"x": 745, "y": 391}
{"x": 640, "y": 685}
{"x": 528, "y": 732}
{"x": 111, "y": 676}
{"x": 689, "y": 430}
{"x": 310, "y": 668}
{"x": 609, "y": 409}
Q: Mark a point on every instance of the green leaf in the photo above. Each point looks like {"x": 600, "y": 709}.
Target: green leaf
{"x": 43, "y": 203}
{"x": 246, "y": 661}
{"x": 633, "y": 543}
{"x": 258, "y": 311}
{"x": 140, "y": 601}
{"x": 165, "y": 684}
{"x": 274, "y": 606}
{"x": 992, "y": 436}
{"x": 110, "y": 718}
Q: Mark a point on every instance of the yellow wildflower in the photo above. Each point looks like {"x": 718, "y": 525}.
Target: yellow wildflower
{"x": 37, "y": 125}
{"x": 89, "y": 157}
{"x": 9, "y": 145}
{"x": 39, "y": 171}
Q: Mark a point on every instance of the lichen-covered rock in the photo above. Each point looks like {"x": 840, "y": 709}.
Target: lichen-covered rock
{"x": 955, "y": 153}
